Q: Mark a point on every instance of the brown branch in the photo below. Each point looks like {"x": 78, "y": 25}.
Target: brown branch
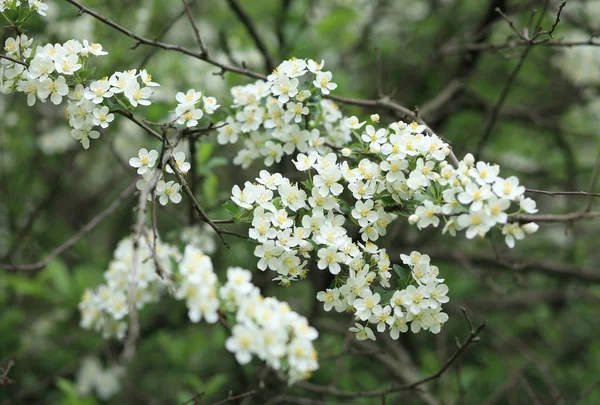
{"x": 195, "y": 28}
{"x": 549, "y": 267}
{"x": 4, "y": 380}
{"x": 247, "y": 21}
{"x": 472, "y": 337}
{"x": 162, "y": 45}
{"x": 2, "y": 56}
{"x": 556, "y": 193}
{"x": 384, "y": 103}
{"x": 493, "y": 118}
{"x": 572, "y": 216}
{"x": 75, "y": 238}
{"x": 232, "y": 397}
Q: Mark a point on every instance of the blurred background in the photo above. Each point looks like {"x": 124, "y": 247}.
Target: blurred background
{"x": 533, "y": 109}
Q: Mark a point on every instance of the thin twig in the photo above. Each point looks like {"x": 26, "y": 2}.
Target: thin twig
{"x": 474, "y": 333}
{"x": 247, "y": 21}
{"x": 195, "y": 28}
{"x": 75, "y": 238}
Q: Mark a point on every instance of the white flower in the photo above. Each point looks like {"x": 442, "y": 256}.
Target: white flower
{"x": 427, "y": 214}
{"x": 98, "y": 91}
{"x": 295, "y": 111}
{"x": 137, "y": 95}
{"x": 191, "y": 97}
{"x": 475, "y": 195}
{"x": 323, "y": 82}
{"x": 102, "y": 117}
{"x": 285, "y": 88}
{"x": 187, "y": 114}
{"x": 67, "y": 65}
{"x": 364, "y": 213}
{"x": 315, "y": 66}
{"x": 242, "y": 343}
{"x": 508, "y": 188}
{"x": 382, "y": 317}
{"x": 168, "y": 191}
{"x": 353, "y": 123}
{"x": 55, "y": 89}
{"x": 478, "y": 223}
{"x": 210, "y": 105}
{"x": 145, "y": 160}
{"x": 147, "y": 79}
{"x": 362, "y": 332}
{"x": 330, "y": 258}
{"x": 183, "y": 166}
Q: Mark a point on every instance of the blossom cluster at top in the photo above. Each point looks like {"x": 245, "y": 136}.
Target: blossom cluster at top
{"x": 34, "y": 5}
{"x": 262, "y": 327}
{"x": 284, "y": 115}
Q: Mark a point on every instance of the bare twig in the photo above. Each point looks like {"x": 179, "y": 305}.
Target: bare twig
{"x": 232, "y": 397}
{"x": 247, "y": 21}
{"x": 82, "y": 232}
{"x": 195, "y": 28}
{"x": 472, "y": 337}
{"x": 556, "y": 193}
{"x": 162, "y": 45}
{"x": 4, "y": 380}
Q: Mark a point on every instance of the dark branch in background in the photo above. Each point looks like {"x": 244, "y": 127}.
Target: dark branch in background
{"x": 470, "y": 58}
{"x": 82, "y": 232}
{"x": 176, "y": 48}
{"x": 471, "y": 338}
{"x": 163, "y": 33}
{"x": 4, "y": 380}
{"x": 521, "y": 265}
{"x": 195, "y": 28}
{"x": 487, "y": 132}
{"x": 280, "y": 24}
{"x": 245, "y": 19}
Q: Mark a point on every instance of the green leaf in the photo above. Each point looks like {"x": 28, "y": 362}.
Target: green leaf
{"x": 231, "y": 207}
{"x": 399, "y": 271}
{"x": 59, "y": 276}
{"x": 204, "y": 152}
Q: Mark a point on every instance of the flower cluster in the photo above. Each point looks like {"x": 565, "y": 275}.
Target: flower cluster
{"x": 146, "y": 164}
{"x": 92, "y": 377}
{"x": 53, "y": 72}
{"x": 418, "y": 303}
{"x": 34, "y": 5}
{"x": 198, "y": 286}
{"x": 285, "y": 114}
{"x": 188, "y": 112}
{"x": 105, "y": 308}
{"x": 262, "y": 327}
{"x": 90, "y": 107}
{"x": 267, "y": 328}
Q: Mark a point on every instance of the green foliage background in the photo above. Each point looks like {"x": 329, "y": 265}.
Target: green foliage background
{"x": 541, "y": 335}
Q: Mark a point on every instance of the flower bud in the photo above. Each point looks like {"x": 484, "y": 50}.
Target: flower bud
{"x": 346, "y": 152}
{"x": 413, "y": 219}
{"x": 530, "y": 227}
{"x": 469, "y": 159}
{"x": 375, "y": 117}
